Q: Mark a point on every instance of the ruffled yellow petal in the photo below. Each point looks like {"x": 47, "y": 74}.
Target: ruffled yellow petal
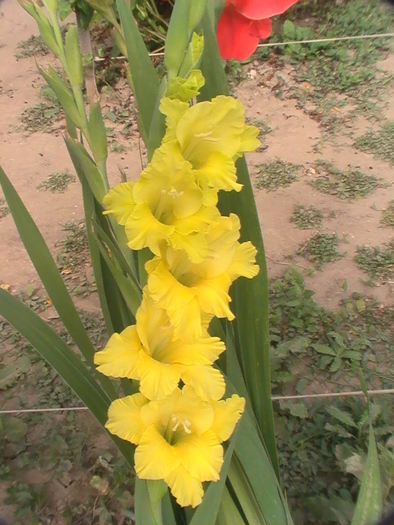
{"x": 179, "y": 301}
{"x": 157, "y": 379}
{"x": 249, "y": 140}
{"x": 190, "y": 407}
{"x": 204, "y": 351}
{"x": 185, "y": 489}
{"x": 227, "y": 414}
{"x": 207, "y": 381}
{"x": 119, "y": 357}
{"x": 144, "y": 230}
{"x": 173, "y": 110}
{"x": 202, "y": 456}
{"x": 154, "y": 458}
{"x": 213, "y": 296}
{"x": 219, "y": 172}
{"x": 119, "y": 201}
{"x": 153, "y": 325}
{"x": 243, "y": 263}
{"x": 124, "y": 418}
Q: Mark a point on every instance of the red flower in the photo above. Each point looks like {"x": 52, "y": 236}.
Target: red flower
{"x": 244, "y": 22}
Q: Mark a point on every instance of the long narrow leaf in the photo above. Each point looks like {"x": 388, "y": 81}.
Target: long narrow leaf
{"x": 369, "y": 502}
{"x": 250, "y": 297}
{"x": 50, "y": 276}
{"x": 61, "y": 357}
{"x": 144, "y": 514}
{"x": 144, "y": 76}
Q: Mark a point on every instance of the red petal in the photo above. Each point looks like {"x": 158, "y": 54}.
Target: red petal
{"x": 234, "y": 37}
{"x": 261, "y": 28}
{"x": 259, "y": 9}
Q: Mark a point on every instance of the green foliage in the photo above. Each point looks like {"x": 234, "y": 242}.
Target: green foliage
{"x": 306, "y": 218}
{"x": 277, "y": 174}
{"x": 57, "y": 182}
{"x": 32, "y": 47}
{"x": 347, "y": 185}
{"x": 341, "y": 78}
{"x": 323, "y": 462}
{"x": 321, "y": 249}
{"x": 322, "y": 443}
{"x": 4, "y": 210}
{"x": 379, "y": 143}
{"x": 387, "y": 215}
{"x": 41, "y": 117}
{"x": 376, "y": 261}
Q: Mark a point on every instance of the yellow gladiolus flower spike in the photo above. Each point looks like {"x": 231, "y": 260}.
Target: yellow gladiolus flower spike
{"x": 211, "y": 136}
{"x": 186, "y": 290}
{"x": 164, "y": 207}
{"x": 149, "y": 353}
{"x": 178, "y": 438}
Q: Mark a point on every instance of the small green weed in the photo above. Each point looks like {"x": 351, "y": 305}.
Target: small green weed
{"x": 4, "y": 210}
{"x": 307, "y": 218}
{"x": 29, "y": 500}
{"x": 321, "y": 249}
{"x": 387, "y": 215}
{"x": 347, "y": 68}
{"x": 32, "y": 47}
{"x": 118, "y": 148}
{"x": 276, "y": 174}
{"x": 58, "y": 182}
{"x": 378, "y": 263}
{"x": 347, "y": 185}
{"x": 379, "y": 143}
{"x": 73, "y": 251}
{"x": 73, "y": 259}
{"x": 41, "y": 117}
{"x": 235, "y": 72}
{"x": 323, "y": 463}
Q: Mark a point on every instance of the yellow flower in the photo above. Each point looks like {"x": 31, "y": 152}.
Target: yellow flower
{"x": 164, "y": 207}
{"x": 178, "y": 438}
{"x": 211, "y": 136}
{"x": 149, "y": 353}
{"x": 186, "y": 290}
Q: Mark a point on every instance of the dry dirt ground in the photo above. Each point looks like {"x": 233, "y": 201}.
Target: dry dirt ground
{"x": 295, "y": 136}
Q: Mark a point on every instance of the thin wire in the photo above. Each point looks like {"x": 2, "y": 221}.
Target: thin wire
{"x": 274, "y": 398}
{"x": 280, "y": 44}
{"x": 334, "y": 394}
{"x": 333, "y": 39}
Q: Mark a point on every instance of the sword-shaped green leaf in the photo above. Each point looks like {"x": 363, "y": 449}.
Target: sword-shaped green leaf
{"x": 143, "y": 74}
{"x": 50, "y": 276}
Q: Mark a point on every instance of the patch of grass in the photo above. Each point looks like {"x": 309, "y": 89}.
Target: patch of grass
{"x": 73, "y": 259}
{"x": 387, "y": 215}
{"x": 379, "y": 143}
{"x": 58, "y": 182}
{"x": 347, "y": 185}
{"x": 74, "y": 248}
{"x": 323, "y": 462}
{"x": 4, "y": 210}
{"x": 118, "y": 148}
{"x": 32, "y": 47}
{"x": 307, "y": 218}
{"x": 276, "y": 174}
{"x": 377, "y": 262}
{"x": 41, "y": 117}
{"x": 333, "y": 75}
{"x": 321, "y": 249}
